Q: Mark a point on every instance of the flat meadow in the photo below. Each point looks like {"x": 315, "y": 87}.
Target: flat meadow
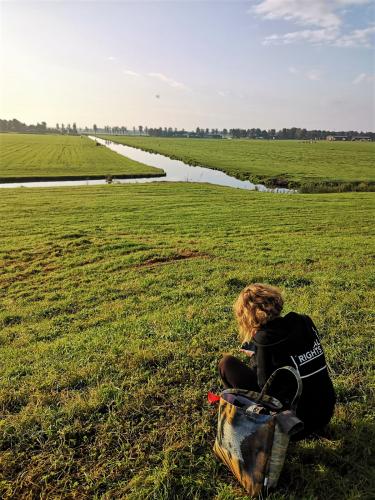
{"x": 115, "y": 307}
{"x": 28, "y": 157}
{"x": 308, "y": 166}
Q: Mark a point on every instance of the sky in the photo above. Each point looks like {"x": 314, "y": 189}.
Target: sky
{"x": 188, "y": 64}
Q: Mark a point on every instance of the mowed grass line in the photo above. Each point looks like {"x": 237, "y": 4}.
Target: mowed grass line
{"x": 316, "y": 166}
{"x": 115, "y": 308}
{"x": 28, "y": 157}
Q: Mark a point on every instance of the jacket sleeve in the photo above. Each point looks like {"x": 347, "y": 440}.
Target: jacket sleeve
{"x": 268, "y": 349}
{"x": 265, "y": 366}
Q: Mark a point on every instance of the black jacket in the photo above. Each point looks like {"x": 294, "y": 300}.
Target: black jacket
{"x": 293, "y": 340}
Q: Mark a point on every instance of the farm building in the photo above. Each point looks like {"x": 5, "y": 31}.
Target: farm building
{"x": 361, "y": 138}
{"x": 337, "y": 138}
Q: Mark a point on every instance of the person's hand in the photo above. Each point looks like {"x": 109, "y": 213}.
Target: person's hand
{"x": 248, "y": 353}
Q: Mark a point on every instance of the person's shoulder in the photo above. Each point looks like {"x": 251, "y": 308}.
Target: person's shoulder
{"x": 272, "y": 333}
{"x": 301, "y": 323}
{"x": 261, "y": 338}
{"x": 294, "y": 317}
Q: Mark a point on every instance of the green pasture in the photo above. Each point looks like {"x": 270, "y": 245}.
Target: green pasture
{"x": 115, "y": 307}
{"x": 27, "y": 157}
{"x": 317, "y": 166}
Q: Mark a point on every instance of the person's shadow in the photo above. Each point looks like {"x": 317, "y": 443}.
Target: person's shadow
{"x": 336, "y": 465}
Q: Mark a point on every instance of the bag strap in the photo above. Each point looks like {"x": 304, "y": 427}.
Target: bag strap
{"x": 255, "y": 397}
{"x": 294, "y": 372}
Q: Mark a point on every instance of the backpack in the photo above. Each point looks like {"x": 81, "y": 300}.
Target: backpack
{"x": 253, "y": 433}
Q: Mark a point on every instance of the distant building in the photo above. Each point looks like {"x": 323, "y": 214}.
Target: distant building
{"x": 361, "y": 138}
{"x": 337, "y": 138}
{"x": 203, "y": 135}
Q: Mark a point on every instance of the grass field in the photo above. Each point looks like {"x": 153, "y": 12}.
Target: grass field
{"x": 26, "y": 157}
{"x": 115, "y": 308}
{"x": 311, "y": 166}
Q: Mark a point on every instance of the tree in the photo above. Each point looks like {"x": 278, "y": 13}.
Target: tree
{"x": 95, "y": 128}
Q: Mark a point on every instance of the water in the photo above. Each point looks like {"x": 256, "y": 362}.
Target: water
{"x": 175, "y": 170}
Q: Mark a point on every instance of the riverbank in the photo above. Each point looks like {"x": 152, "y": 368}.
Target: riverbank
{"x": 116, "y": 304}
{"x": 57, "y": 178}
{"x": 33, "y": 158}
{"x": 308, "y": 167}
{"x": 172, "y": 171}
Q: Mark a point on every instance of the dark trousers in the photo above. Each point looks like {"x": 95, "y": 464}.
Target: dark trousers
{"x": 237, "y": 375}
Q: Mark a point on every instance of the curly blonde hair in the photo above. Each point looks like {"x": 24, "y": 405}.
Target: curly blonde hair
{"x": 257, "y": 304}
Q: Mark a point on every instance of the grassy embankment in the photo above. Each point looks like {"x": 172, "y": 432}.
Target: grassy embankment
{"x": 29, "y": 157}
{"x": 115, "y": 308}
{"x": 310, "y": 167}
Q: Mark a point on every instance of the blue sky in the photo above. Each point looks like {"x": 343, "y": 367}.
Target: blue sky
{"x": 261, "y": 63}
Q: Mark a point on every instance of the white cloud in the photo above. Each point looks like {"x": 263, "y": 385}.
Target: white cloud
{"x": 168, "y": 81}
{"x": 130, "y": 72}
{"x": 351, "y": 2}
{"x": 322, "y": 13}
{"x": 316, "y": 37}
{"x": 310, "y": 12}
{"x": 158, "y": 76}
{"x": 310, "y": 74}
{"x": 363, "y": 78}
{"x": 359, "y": 78}
{"x": 111, "y": 58}
{"x": 356, "y": 38}
{"x": 313, "y": 74}
{"x": 324, "y": 17}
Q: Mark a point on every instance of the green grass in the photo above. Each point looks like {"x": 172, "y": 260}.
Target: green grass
{"x": 26, "y": 157}
{"x": 116, "y": 307}
{"x": 318, "y": 166}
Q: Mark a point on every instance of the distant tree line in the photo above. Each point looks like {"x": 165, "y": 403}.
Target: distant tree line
{"x": 295, "y": 133}
{"x": 174, "y": 132}
{"x": 40, "y": 128}
{"x": 214, "y": 133}
{"x": 236, "y": 133}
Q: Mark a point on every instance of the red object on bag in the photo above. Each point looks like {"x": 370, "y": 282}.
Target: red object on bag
{"x": 213, "y": 398}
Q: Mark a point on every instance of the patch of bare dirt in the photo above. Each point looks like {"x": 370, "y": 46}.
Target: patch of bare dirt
{"x": 181, "y": 255}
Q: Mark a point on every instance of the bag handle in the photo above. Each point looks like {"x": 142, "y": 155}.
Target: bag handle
{"x": 268, "y": 401}
{"x": 298, "y": 393}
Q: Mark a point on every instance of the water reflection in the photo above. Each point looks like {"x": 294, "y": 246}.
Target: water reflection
{"x": 178, "y": 171}
{"x": 175, "y": 170}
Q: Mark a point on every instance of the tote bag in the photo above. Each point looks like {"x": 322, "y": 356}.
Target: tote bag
{"x": 253, "y": 434}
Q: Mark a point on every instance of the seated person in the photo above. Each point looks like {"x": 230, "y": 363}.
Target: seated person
{"x": 276, "y": 341}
